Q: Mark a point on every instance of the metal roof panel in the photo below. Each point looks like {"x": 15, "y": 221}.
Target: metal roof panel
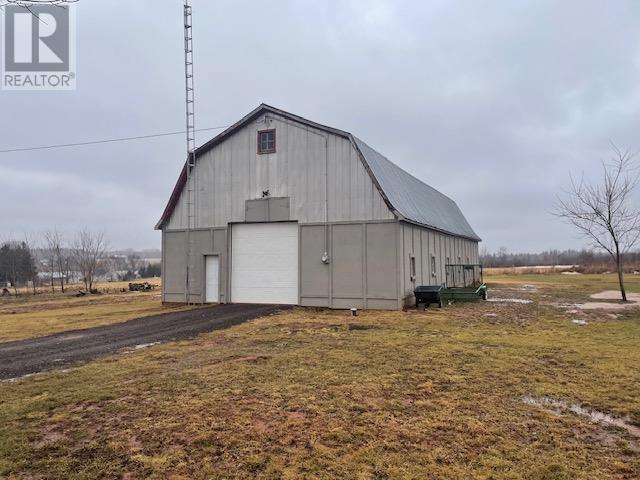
{"x": 413, "y": 199}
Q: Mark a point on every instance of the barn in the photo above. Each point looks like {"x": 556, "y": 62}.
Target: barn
{"x": 280, "y": 209}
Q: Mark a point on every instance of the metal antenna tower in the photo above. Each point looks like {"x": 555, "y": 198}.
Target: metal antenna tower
{"x": 191, "y": 142}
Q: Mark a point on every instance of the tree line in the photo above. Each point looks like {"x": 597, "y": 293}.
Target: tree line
{"x": 55, "y": 260}
{"x": 584, "y": 258}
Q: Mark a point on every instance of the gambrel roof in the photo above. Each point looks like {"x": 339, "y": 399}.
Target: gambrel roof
{"x": 407, "y": 197}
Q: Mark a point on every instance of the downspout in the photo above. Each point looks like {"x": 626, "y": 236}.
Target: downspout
{"x": 325, "y": 255}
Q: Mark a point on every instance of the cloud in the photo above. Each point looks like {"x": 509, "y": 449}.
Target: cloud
{"x": 494, "y": 104}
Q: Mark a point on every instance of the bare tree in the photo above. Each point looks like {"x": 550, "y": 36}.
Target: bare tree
{"x": 603, "y": 212}
{"x": 88, "y": 248}
{"x": 59, "y": 256}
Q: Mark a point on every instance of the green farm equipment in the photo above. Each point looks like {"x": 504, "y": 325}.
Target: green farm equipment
{"x": 464, "y": 283}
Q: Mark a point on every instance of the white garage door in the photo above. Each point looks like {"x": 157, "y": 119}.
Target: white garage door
{"x": 264, "y": 263}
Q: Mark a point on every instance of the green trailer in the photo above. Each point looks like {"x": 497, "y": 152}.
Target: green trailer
{"x": 464, "y": 283}
{"x": 464, "y": 294}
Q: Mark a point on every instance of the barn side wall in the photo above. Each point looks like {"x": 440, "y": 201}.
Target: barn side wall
{"x": 423, "y": 243}
{"x": 362, "y": 271}
{"x": 369, "y": 263}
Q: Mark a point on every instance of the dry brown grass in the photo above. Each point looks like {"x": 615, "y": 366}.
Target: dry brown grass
{"x": 319, "y": 394}
{"x": 28, "y": 316}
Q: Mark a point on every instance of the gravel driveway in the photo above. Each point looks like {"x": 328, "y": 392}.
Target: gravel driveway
{"x": 33, "y": 355}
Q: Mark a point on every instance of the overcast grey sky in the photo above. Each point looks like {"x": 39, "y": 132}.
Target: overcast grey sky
{"x": 493, "y": 103}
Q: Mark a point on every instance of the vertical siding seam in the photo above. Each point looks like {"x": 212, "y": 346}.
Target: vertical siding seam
{"x": 163, "y": 263}
{"x": 229, "y": 261}
{"x": 299, "y": 264}
{"x": 330, "y": 228}
{"x": 403, "y": 285}
{"x": 365, "y": 293}
{"x": 421, "y": 277}
{"x": 398, "y": 269}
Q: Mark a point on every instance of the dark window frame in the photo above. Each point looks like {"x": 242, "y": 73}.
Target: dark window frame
{"x": 262, "y": 151}
{"x": 412, "y": 267}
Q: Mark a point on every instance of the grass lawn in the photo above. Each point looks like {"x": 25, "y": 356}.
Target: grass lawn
{"x": 319, "y": 394}
{"x": 28, "y": 316}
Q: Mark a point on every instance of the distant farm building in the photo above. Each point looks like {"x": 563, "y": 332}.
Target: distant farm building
{"x": 288, "y": 211}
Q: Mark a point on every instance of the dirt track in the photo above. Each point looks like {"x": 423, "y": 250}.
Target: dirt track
{"x": 33, "y": 355}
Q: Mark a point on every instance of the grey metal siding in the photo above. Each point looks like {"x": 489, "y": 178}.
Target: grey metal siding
{"x": 173, "y": 268}
{"x": 206, "y": 242}
{"x": 202, "y": 243}
{"x": 321, "y": 173}
{"x": 381, "y": 263}
{"x": 267, "y": 210}
{"x": 369, "y": 263}
{"x": 362, "y": 271}
{"x": 423, "y": 243}
{"x": 256, "y": 211}
{"x": 314, "y": 274}
{"x": 347, "y": 278}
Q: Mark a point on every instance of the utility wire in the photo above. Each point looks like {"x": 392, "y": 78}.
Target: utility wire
{"x": 109, "y": 140}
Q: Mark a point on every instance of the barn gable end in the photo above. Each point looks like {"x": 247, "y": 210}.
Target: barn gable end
{"x": 319, "y": 169}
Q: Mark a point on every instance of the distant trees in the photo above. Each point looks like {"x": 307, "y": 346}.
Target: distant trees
{"x": 585, "y": 258}
{"x": 151, "y": 270}
{"x": 31, "y": 247}
{"x": 603, "y": 212}
{"x": 17, "y": 264}
{"x": 57, "y": 260}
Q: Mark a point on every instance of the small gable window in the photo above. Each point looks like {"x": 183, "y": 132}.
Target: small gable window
{"x": 267, "y": 141}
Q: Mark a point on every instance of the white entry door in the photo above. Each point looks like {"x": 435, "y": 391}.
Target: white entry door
{"x": 212, "y": 273}
{"x": 264, "y": 263}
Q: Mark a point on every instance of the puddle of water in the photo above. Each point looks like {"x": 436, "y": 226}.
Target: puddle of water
{"x": 145, "y": 345}
{"x": 508, "y": 300}
{"x": 71, "y": 336}
{"x": 560, "y": 407}
{"x": 605, "y": 306}
{"x": 16, "y": 379}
